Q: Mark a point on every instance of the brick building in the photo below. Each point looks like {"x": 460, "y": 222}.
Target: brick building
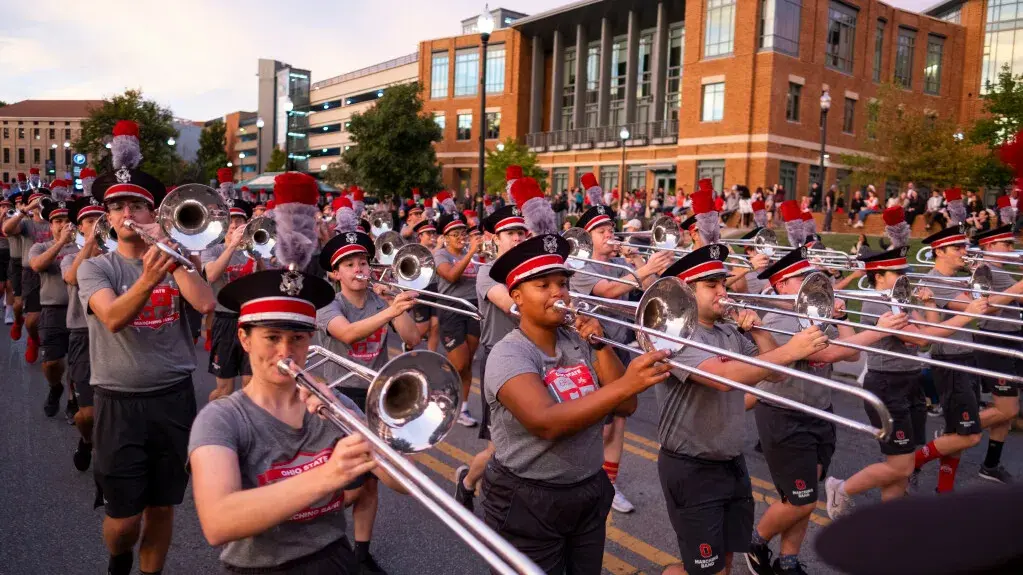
{"x": 726, "y": 89}
{"x": 33, "y": 132}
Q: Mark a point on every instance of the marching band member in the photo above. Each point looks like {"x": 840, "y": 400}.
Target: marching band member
{"x": 142, "y": 357}
{"x": 549, "y": 392}
{"x": 424, "y": 315}
{"x": 84, "y": 212}
{"x": 45, "y": 259}
{"x": 413, "y": 216}
{"x": 798, "y": 447}
{"x": 14, "y": 290}
{"x": 356, "y": 325}
{"x": 5, "y": 256}
{"x": 701, "y": 425}
{"x": 30, "y": 231}
{"x": 508, "y": 227}
{"x": 599, "y": 220}
{"x": 748, "y": 278}
{"x": 222, "y": 264}
{"x": 456, "y": 273}
{"x": 272, "y": 478}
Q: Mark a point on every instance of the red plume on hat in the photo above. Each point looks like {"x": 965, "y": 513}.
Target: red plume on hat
{"x": 703, "y": 202}
{"x": 225, "y": 175}
{"x": 705, "y": 185}
{"x": 22, "y": 177}
{"x": 759, "y": 213}
{"x": 793, "y": 218}
{"x": 896, "y": 227}
{"x": 88, "y": 176}
{"x": 344, "y": 215}
{"x": 594, "y": 193}
{"x": 60, "y": 190}
{"x": 446, "y": 201}
{"x": 295, "y": 211}
{"x": 512, "y": 173}
{"x": 125, "y": 150}
{"x": 358, "y": 201}
{"x": 33, "y": 171}
{"x": 954, "y": 205}
{"x": 707, "y": 221}
{"x": 536, "y": 210}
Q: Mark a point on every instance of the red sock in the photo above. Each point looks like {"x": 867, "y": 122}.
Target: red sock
{"x": 611, "y": 468}
{"x": 947, "y": 474}
{"x": 926, "y": 453}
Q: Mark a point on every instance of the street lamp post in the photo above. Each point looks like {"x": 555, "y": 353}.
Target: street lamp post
{"x": 288, "y": 107}
{"x": 259, "y": 145}
{"x": 68, "y": 169}
{"x": 624, "y": 135}
{"x": 825, "y": 106}
{"x": 485, "y": 24}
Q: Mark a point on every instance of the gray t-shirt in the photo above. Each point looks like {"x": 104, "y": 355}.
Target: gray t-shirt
{"x": 809, "y": 393}
{"x": 1001, "y": 281}
{"x": 696, "y": 420}
{"x": 238, "y": 266}
{"x": 496, "y": 324}
{"x": 53, "y": 290}
{"x": 33, "y": 232}
{"x": 878, "y": 362}
{"x": 568, "y": 375}
{"x": 75, "y": 311}
{"x": 950, "y": 293}
{"x": 465, "y": 287}
{"x": 755, "y": 284}
{"x": 269, "y": 451}
{"x": 15, "y": 242}
{"x": 584, "y": 284}
{"x": 155, "y": 350}
{"x": 370, "y": 352}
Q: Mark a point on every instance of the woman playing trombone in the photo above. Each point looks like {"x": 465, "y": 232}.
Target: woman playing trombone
{"x": 549, "y": 392}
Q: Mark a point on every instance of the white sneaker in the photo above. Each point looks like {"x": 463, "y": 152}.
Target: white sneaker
{"x": 621, "y": 504}
{"x": 466, "y": 420}
{"x": 9, "y": 315}
{"x": 839, "y": 504}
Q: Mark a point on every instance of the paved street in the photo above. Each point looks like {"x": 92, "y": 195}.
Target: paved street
{"x": 51, "y": 527}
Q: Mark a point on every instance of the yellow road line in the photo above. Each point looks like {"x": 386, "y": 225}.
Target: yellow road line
{"x": 616, "y": 566}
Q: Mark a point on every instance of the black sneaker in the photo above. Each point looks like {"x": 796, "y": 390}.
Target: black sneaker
{"x": 997, "y": 474}
{"x": 368, "y": 566}
{"x": 463, "y": 495}
{"x": 934, "y": 410}
{"x": 798, "y": 570}
{"x": 758, "y": 559}
{"x": 83, "y": 455}
{"x": 52, "y": 404}
{"x": 70, "y": 409}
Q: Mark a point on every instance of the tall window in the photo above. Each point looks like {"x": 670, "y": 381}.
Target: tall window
{"x": 713, "y": 102}
{"x": 618, "y": 65}
{"x": 67, "y": 133}
{"x": 592, "y": 83}
{"x": 878, "y": 50}
{"x": 792, "y": 102}
{"x": 643, "y": 76}
{"x": 779, "y": 26}
{"x": 787, "y": 175}
{"x": 21, "y": 133}
{"x": 439, "y": 76}
{"x": 904, "y": 58}
{"x": 841, "y": 38}
{"x": 932, "y": 69}
{"x": 720, "y": 32}
{"x": 21, "y": 155}
{"x": 637, "y": 177}
{"x": 495, "y": 69}
{"x": 568, "y": 92}
{"x": 1000, "y": 45}
{"x": 849, "y": 116}
{"x": 52, "y": 133}
{"x": 493, "y": 125}
{"x": 36, "y": 156}
{"x": 609, "y": 177}
{"x": 713, "y": 169}
{"x": 815, "y": 174}
{"x": 559, "y": 180}
{"x": 440, "y": 119}
{"x": 7, "y": 155}
{"x": 7, "y": 133}
{"x": 464, "y": 131}
{"x": 467, "y": 72}
{"x": 673, "y": 90}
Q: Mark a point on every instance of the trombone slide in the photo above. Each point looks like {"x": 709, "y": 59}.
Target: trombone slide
{"x": 470, "y": 310}
{"x": 173, "y": 253}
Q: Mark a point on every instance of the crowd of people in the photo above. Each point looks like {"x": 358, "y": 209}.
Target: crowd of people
{"x": 113, "y": 309}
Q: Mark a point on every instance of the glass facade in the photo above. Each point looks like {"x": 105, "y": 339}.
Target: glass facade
{"x": 495, "y": 68}
{"x": 841, "y": 39}
{"x": 673, "y": 90}
{"x": 467, "y": 72}
{"x": 1003, "y": 35}
{"x": 779, "y": 26}
{"x": 464, "y": 131}
{"x": 439, "y": 76}
{"x": 878, "y": 50}
{"x": 713, "y": 102}
{"x": 644, "y": 74}
{"x": 609, "y": 177}
{"x": 932, "y": 69}
{"x": 592, "y": 84}
{"x": 568, "y": 92}
{"x": 618, "y": 64}
{"x": 904, "y": 48}
{"x": 493, "y": 125}
{"x": 719, "y": 35}
{"x": 559, "y": 180}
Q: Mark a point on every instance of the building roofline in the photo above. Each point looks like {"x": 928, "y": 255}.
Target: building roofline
{"x": 940, "y": 7}
{"x": 388, "y": 65}
{"x": 553, "y": 12}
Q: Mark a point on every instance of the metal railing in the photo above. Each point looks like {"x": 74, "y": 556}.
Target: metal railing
{"x": 400, "y": 61}
{"x": 665, "y": 131}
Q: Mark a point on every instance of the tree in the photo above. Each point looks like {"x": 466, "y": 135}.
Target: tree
{"x": 1002, "y": 118}
{"x": 392, "y": 149}
{"x": 338, "y": 174}
{"x": 514, "y": 153}
{"x": 2, "y": 103}
{"x": 904, "y": 143}
{"x": 278, "y": 161}
{"x": 212, "y": 154}
{"x": 155, "y": 128}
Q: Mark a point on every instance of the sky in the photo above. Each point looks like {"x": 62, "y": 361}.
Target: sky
{"x": 199, "y": 57}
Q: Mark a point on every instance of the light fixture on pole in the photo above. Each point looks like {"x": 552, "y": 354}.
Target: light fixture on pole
{"x": 259, "y": 145}
{"x": 289, "y": 106}
{"x": 624, "y": 135}
{"x": 825, "y": 106}
{"x": 485, "y": 25}
{"x": 230, "y": 164}
{"x": 171, "y": 141}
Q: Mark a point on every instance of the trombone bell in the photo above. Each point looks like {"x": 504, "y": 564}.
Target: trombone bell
{"x": 259, "y": 238}
{"x": 413, "y": 267}
{"x": 667, "y": 306}
{"x": 194, "y": 216}
{"x": 387, "y": 245}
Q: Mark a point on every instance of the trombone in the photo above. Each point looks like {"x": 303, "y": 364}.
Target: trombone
{"x": 665, "y": 318}
{"x": 106, "y": 237}
{"x": 379, "y": 225}
{"x": 976, "y": 258}
{"x": 414, "y": 268}
{"x": 411, "y": 405}
{"x": 259, "y": 238}
{"x": 582, "y": 248}
{"x": 387, "y": 245}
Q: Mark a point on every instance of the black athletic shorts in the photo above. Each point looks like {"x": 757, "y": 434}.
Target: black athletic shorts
{"x": 14, "y": 274}
{"x": 194, "y": 318}
{"x": 78, "y": 367}
{"x": 960, "y": 395}
{"x": 455, "y": 327}
{"x": 141, "y": 442}
{"x": 794, "y": 444}
{"x": 1002, "y": 363}
{"x": 710, "y": 505}
{"x": 5, "y": 262}
{"x": 561, "y": 527}
{"x": 902, "y": 394}
{"x": 338, "y": 558}
{"x": 31, "y": 284}
{"x": 53, "y": 332}
{"x": 227, "y": 358}
{"x": 484, "y": 432}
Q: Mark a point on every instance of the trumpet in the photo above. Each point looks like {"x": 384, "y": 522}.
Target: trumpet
{"x": 413, "y": 268}
{"x": 488, "y": 250}
{"x": 106, "y": 237}
{"x": 582, "y": 248}
{"x": 411, "y": 405}
{"x": 259, "y": 238}
{"x": 664, "y": 233}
